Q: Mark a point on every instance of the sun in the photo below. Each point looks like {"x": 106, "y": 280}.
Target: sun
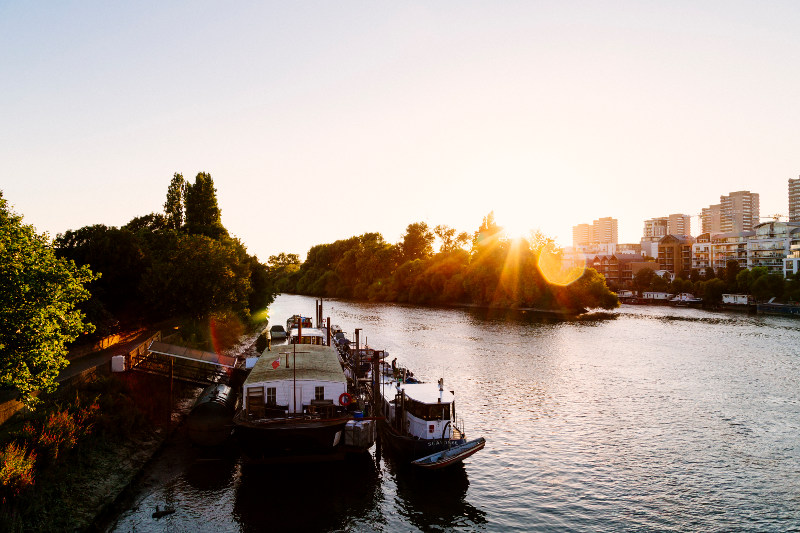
{"x": 515, "y": 225}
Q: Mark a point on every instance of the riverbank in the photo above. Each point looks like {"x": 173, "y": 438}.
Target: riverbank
{"x": 73, "y": 484}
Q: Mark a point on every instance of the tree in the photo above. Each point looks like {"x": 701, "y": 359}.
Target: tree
{"x": 417, "y": 242}
{"x": 203, "y": 216}
{"x": 148, "y": 223}
{"x": 173, "y": 207}
{"x": 487, "y": 234}
{"x": 450, "y": 241}
{"x": 39, "y": 293}
{"x": 196, "y": 275}
{"x": 732, "y": 269}
{"x": 643, "y": 278}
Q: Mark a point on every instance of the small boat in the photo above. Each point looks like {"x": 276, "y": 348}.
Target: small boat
{"x": 686, "y": 299}
{"x": 277, "y": 332}
{"x": 450, "y": 455}
{"x": 298, "y": 321}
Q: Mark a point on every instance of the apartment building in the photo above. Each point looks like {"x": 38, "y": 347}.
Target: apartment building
{"x": 711, "y": 218}
{"x": 794, "y": 199}
{"x": 740, "y": 211}
{"x": 601, "y": 231}
{"x": 675, "y": 253}
{"x": 771, "y": 243}
{"x": 581, "y": 235}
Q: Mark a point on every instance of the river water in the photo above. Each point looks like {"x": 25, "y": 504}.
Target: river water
{"x": 642, "y": 419}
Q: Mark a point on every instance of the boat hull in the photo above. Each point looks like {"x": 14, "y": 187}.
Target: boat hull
{"x": 410, "y": 448}
{"x": 266, "y": 439}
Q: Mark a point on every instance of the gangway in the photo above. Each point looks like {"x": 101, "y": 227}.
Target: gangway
{"x": 184, "y": 364}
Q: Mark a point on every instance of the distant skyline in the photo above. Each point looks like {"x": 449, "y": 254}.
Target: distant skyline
{"x": 319, "y": 121}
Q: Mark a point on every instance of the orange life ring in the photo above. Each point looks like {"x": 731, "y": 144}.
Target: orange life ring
{"x": 345, "y": 399}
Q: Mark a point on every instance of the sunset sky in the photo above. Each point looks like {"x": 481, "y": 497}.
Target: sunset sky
{"x": 323, "y": 120}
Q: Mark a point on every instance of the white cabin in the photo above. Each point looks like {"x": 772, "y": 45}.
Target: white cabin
{"x": 737, "y": 299}
{"x": 291, "y": 379}
{"x": 428, "y": 410}
{"x": 651, "y": 295}
{"x": 313, "y": 336}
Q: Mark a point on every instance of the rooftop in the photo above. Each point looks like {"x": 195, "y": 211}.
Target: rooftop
{"x": 317, "y": 363}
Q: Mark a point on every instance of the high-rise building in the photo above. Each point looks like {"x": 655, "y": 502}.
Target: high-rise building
{"x": 794, "y": 199}
{"x": 676, "y": 224}
{"x": 581, "y": 235}
{"x": 740, "y": 211}
{"x": 736, "y": 212}
{"x": 601, "y": 231}
{"x": 712, "y": 219}
{"x": 604, "y": 230}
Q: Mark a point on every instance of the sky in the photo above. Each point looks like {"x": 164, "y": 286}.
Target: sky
{"x": 319, "y": 121}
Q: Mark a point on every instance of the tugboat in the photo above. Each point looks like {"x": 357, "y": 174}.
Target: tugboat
{"x": 419, "y": 420}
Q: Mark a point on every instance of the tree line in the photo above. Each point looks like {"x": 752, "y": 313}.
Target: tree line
{"x": 731, "y": 279}
{"x": 180, "y": 264}
{"x": 494, "y": 271}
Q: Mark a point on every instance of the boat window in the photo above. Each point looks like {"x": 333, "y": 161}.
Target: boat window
{"x": 319, "y": 393}
{"x": 437, "y": 411}
{"x": 271, "y": 396}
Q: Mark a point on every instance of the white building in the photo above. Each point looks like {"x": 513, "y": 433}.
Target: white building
{"x": 771, "y": 244}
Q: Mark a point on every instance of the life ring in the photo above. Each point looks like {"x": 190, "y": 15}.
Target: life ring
{"x": 345, "y": 399}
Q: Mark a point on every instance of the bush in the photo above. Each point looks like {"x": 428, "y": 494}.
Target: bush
{"x": 16, "y": 470}
{"x": 59, "y": 432}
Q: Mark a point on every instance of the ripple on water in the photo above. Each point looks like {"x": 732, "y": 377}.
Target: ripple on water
{"x": 646, "y": 419}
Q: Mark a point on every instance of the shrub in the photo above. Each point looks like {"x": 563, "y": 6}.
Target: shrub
{"x": 16, "y": 470}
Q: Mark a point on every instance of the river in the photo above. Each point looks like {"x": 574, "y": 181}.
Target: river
{"x": 642, "y": 419}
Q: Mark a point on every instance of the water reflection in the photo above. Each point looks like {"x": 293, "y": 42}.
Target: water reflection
{"x": 328, "y": 496}
{"x": 434, "y": 499}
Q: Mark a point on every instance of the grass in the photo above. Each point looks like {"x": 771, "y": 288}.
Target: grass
{"x": 60, "y": 465}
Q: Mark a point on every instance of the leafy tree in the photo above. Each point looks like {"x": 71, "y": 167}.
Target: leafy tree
{"x": 767, "y": 286}
{"x": 173, "y": 207}
{"x": 147, "y": 223}
{"x": 450, "y": 241}
{"x": 732, "y": 269}
{"x": 487, "y": 235}
{"x": 115, "y": 253}
{"x": 643, "y": 278}
{"x": 712, "y": 290}
{"x": 417, "y": 242}
{"x": 39, "y": 293}
{"x": 202, "y": 211}
{"x": 694, "y": 275}
{"x": 659, "y": 284}
{"x": 196, "y": 275}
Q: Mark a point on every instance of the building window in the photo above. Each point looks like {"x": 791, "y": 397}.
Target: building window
{"x": 271, "y": 396}
{"x": 319, "y": 393}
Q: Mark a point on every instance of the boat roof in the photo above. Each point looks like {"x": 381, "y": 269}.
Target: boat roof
{"x": 307, "y": 332}
{"x": 426, "y": 393}
{"x": 317, "y": 363}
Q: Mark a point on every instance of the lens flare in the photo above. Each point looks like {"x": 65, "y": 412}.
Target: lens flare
{"x": 552, "y": 267}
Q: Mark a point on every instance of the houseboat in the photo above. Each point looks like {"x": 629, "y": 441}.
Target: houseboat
{"x": 293, "y": 403}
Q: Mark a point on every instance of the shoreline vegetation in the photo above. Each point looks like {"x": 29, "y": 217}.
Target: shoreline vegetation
{"x": 65, "y": 464}
{"x": 496, "y": 271}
